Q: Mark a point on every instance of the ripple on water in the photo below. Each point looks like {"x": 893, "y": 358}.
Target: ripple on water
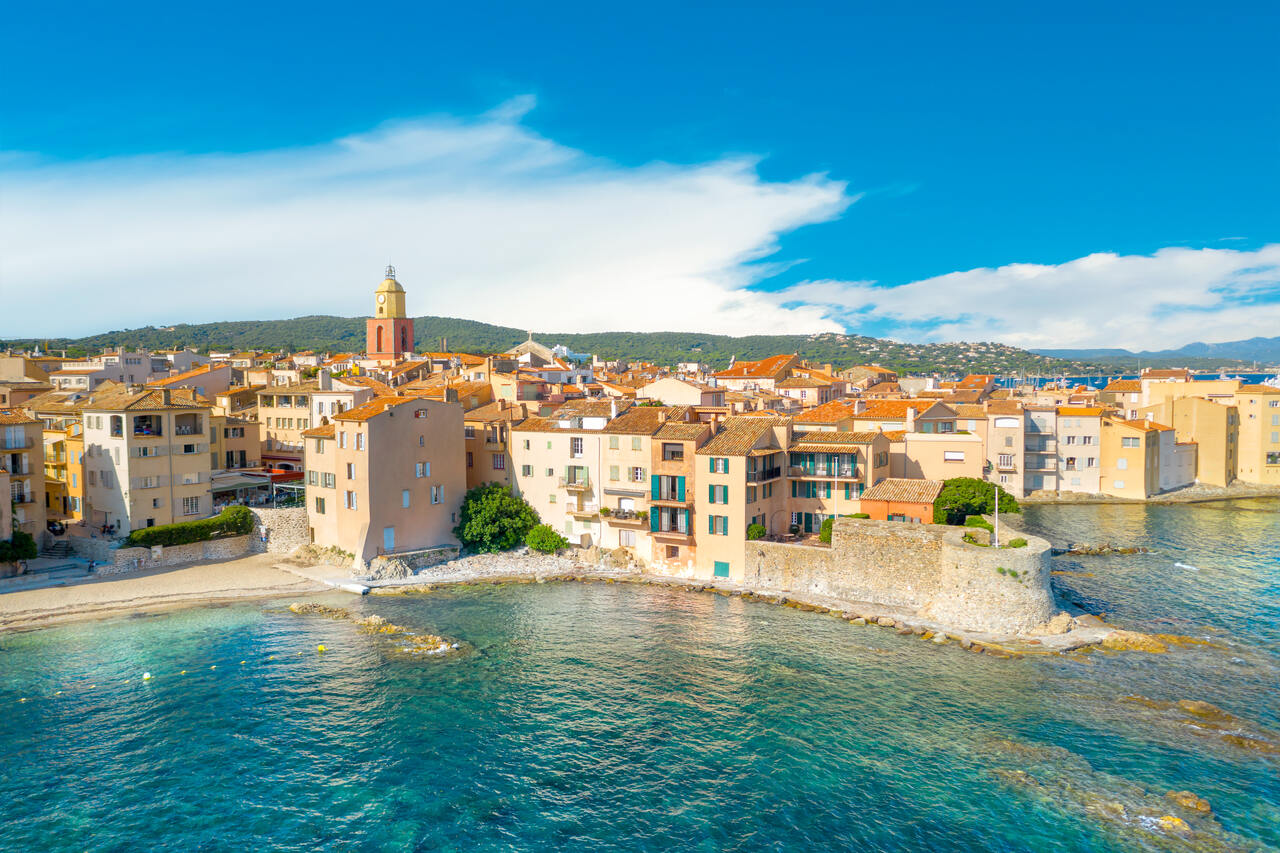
{"x": 597, "y": 717}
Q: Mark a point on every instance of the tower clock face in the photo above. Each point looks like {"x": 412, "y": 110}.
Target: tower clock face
{"x": 382, "y": 297}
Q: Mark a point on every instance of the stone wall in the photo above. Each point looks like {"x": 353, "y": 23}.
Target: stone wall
{"x": 405, "y": 563}
{"x": 140, "y": 559}
{"x": 925, "y": 567}
{"x": 286, "y": 530}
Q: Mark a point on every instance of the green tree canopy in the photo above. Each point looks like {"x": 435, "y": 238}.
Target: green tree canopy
{"x": 494, "y": 519}
{"x": 962, "y": 497}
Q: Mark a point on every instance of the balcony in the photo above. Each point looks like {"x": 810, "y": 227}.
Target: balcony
{"x": 575, "y": 484}
{"x": 674, "y": 536}
{"x": 764, "y": 474}
{"x": 23, "y": 498}
{"x": 15, "y": 443}
{"x": 828, "y": 472}
{"x": 626, "y": 518}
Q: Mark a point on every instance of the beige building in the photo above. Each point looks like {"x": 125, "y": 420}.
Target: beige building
{"x": 487, "y": 436}
{"x": 386, "y": 477}
{"x": 22, "y": 449}
{"x": 285, "y": 413}
{"x": 1259, "y": 456}
{"x": 674, "y": 391}
{"x": 1130, "y": 452}
{"x": 939, "y": 456}
{"x": 1214, "y": 427}
{"x": 1079, "y": 443}
{"x": 146, "y": 457}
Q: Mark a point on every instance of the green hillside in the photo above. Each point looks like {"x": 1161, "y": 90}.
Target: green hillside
{"x": 347, "y": 334}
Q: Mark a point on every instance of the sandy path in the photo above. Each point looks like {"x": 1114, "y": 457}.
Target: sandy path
{"x": 249, "y": 577}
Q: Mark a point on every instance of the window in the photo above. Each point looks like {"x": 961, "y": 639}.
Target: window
{"x": 1130, "y": 442}
{"x": 526, "y": 444}
{"x": 673, "y": 552}
{"x": 319, "y": 445}
{"x": 1086, "y": 439}
{"x": 636, "y": 443}
{"x": 359, "y": 441}
{"x": 526, "y": 470}
{"x": 613, "y": 442}
{"x": 1092, "y": 462}
{"x": 719, "y": 465}
{"x": 551, "y": 498}
{"x": 437, "y": 494}
{"x": 751, "y": 494}
{"x": 1122, "y": 464}
{"x": 1119, "y": 484}
{"x": 953, "y": 456}
{"x": 189, "y": 448}
{"x": 1005, "y": 460}
{"x": 613, "y": 472}
{"x": 422, "y": 441}
{"x": 1273, "y": 458}
{"x": 319, "y": 506}
{"x": 717, "y": 494}
{"x": 351, "y": 470}
{"x": 191, "y": 506}
{"x": 313, "y": 478}
{"x": 417, "y": 470}
{"x": 551, "y": 472}
{"x": 499, "y": 462}
{"x": 468, "y": 432}
{"x": 470, "y": 460}
{"x": 342, "y": 439}
{"x": 1071, "y": 439}
{"x": 1275, "y": 438}
{"x": 404, "y": 498}
{"x": 575, "y": 447}
{"x": 329, "y": 481}
{"x": 627, "y": 537}
{"x": 637, "y": 475}
{"x": 349, "y": 500}
{"x": 720, "y": 569}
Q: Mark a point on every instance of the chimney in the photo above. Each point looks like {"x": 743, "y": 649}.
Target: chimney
{"x": 165, "y": 396}
{"x": 325, "y": 378}
{"x": 911, "y": 419}
{"x": 613, "y": 407}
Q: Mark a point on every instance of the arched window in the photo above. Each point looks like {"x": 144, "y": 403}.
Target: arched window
{"x": 404, "y": 338}
{"x": 378, "y": 348}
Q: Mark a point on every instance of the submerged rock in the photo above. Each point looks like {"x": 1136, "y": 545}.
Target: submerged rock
{"x": 1133, "y": 641}
{"x": 1190, "y": 801}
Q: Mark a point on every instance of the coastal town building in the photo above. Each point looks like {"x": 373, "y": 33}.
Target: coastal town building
{"x": 1259, "y": 431}
{"x": 22, "y": 458}
{"x": 389, "y": 331}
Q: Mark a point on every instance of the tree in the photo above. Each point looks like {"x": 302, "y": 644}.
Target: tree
{"x": 755, "y": 531}
{"x": 962, "y": 497}
{"x": 494, "y": 519}
{"x": 543, "y": 538}
{"x": 22, "y": 546}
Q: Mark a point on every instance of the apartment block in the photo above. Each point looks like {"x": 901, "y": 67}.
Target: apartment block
{"x": 1130, "y": 454}
{"x": 1259, "y": 455}
{"x": 1080, "y": 449}
{"x": 386, "y": 477}
{"x": 22, "y": 449}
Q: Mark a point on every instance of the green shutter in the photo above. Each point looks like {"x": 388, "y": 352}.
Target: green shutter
{"x": 726, "y": 466}
{"x": 653, "y": 489}
{"x": 679, "y": 488}
{"x": 711, "y": 524}
{"x": 721, "y": 569}
{"x": 712, "y": 460}
{"x": 653, "y": 520}
{"x": 711, "y": 494}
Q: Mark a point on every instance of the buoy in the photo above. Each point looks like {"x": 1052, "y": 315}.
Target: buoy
{"x": 146, "y": 676}
{"x": 320, "y": 648}
{"x": 215, "y": 666}
{"x": 184, "y": 672}
{"x": 271, "y": 657}
{"x": 57, "y": 693}
{"x": 242, "y": 663}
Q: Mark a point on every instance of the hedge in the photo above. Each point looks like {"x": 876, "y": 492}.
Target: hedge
{"x": 232, "y": 521}
{"x": 979, "y": 521}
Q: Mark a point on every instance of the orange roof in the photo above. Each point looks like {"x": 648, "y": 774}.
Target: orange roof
{"x": 1123, "y": 385}
{"x": 179, "y": 377}
{"x": 899, "y": 490}
{"x": 895, "y": 409}
{"x": 829, "y": 412}
{"x": 765, "y": 368}
{"x": 373, "y": 408}
{"x": 1080, "y": 411}
{"x": 325, "y": 431}
{"x": 12, "y": 418}
{"x": 1259, "y": 389}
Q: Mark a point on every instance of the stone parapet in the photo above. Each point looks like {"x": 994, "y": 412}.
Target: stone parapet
{"x": 285, "y": 529}
{"x": 168, "y": 556}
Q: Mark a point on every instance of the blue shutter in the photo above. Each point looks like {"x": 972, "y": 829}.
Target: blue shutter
{"x": 679, "y": 488}
{"x": 711, "y": 524}
{"x": 653, "y": 520}
{"x": 653, "y": 488}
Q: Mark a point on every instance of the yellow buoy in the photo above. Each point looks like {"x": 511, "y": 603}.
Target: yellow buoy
{"x": 242, "y": 663}
{"x": 215, "y": 666}
{"x": 146, "y": 676}
{"x": 320, "y": 648}
{"x": 184, "y": 672}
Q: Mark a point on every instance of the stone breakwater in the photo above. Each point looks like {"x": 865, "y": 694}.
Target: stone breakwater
{"x": 406, "y": 641}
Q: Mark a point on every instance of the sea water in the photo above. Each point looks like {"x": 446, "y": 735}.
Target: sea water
{"x": 616, "y": 717}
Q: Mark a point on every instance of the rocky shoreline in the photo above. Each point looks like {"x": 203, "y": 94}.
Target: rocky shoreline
{"x": 1189, "y": 495}
{"x": 1064, "y": 633}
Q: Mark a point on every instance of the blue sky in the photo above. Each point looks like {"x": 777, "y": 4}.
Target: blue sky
{"x": 933, "y": 171}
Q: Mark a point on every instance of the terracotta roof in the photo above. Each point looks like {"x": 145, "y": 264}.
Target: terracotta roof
{"x": 292, "y": 388}
{"x": 180, "y": 377}
{"x": 765, "y": 368}
{"x": 904, "y": 491}
{"x": 884, "y": 388}
{"x": 639, "y": 420}
{"x": 976, "y": 380}
{"x": 1141, "y": 425}
{"x": 738, "y": 435}
{"x": 498, "y": 410}
{"x": 1258, "y": 389}
{"x": 373, "y": 408}
{"x": 1080, "y": 411}
{"x": 1170, "y": 373}
{"x": 682, "y": 431}
{"x": 119, "y": 398}
{"x": 970, "y": 410}
{"x": 408, "y": 366}
{"x": 895, "y": 435}
{"x": 10, "y": 417}
{"x": 829, "y": 413}
{"x": 801, "y": 382}
{"x": 1004, "y": 407}
{"x": 592, "y": 408}
{"x": 325, "y": 431}
{"x": 893, "y": 409}
{"x": 831, "y": 442}
{"x": 1123, "y": 385}
{"x": 382, "y": 389}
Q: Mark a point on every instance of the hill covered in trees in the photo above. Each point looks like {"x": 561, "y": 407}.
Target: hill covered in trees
{"x": 347, "y": 334}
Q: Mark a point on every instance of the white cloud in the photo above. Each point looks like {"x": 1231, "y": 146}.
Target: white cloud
{"x": 1158, "y": 301}
{"x": 483, "y": 218}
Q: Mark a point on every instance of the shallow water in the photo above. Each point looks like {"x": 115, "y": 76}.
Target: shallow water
{"x": 602, "y": 716}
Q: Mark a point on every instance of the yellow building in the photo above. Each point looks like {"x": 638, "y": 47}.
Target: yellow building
{"x": 1213, "y": 426}
{"x": 1259, "y": 455}
{"x": 285, "y": 413}
{"x": 22, "y": 457}
{"x": 1130, "y": 451}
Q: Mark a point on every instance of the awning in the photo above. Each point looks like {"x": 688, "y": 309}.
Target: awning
{"x": 235, "y": 482}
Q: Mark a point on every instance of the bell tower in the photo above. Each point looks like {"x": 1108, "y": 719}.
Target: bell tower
{"x": 389, "y": 330}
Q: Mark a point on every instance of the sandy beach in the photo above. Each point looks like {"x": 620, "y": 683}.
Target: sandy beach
{"x": 246, "y": 578}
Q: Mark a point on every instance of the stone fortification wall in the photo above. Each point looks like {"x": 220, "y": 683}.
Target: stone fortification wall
{"x": 140, "y": 559}
{"x": 286, "y": 530}
{"x": 925, "y": 567}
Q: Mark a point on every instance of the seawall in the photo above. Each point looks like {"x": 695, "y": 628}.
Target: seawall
{"x": 927, "y": 568}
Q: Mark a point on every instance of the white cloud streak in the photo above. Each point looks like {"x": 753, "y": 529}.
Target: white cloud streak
{"x": 484, "y": 219}
{"x": 1139, "y": 302}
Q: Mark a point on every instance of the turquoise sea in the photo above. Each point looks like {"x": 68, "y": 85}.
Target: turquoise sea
{"x": 614, "y": 717}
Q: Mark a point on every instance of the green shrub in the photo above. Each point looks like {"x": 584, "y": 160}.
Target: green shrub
{"x": 232, "y": 521}
{"x": 642, "y": 515}
{"x": 543, "y": 538}
{"x": 22, "y": 546}
{"x": 756, "y": 531}
{"x": 962, "y": 497}
{"x": 492, "y": 518}
{"x": 1013, "y": 573}
{"x": 824, "y": 531}
{"x": 793, "y": 529}
{"x": 1002, "y": 570}
{"x": 979, "y": 521}
{"x": 969, "y": 537}
{"x": 861, "y": 515}
{"x": 1018, "y": 543}
{"x": 606, "y": 511}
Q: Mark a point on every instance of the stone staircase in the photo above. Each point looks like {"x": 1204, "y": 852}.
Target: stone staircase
{"x": 58, "y": 550}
